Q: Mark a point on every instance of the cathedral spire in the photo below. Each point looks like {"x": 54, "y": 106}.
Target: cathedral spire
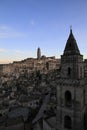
{"x": 71, "y": 47}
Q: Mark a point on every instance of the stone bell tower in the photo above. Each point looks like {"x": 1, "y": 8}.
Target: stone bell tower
{"x": 71, "y": 89}
{"x": 38, "y": 53}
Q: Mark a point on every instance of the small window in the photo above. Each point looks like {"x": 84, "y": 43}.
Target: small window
{"x": 84, "y": 96}
{"x": 70, "y": 45}
{"x": 47, "y": 66}
{"x": 68, "y": 98}
{"x": 67, "y": 122}
{"x": 69, "y": 71}
{"x": 81, "y": 72}
{"x": 0, "y": 114}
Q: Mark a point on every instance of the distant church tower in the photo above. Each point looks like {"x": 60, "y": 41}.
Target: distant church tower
{"x": 38, "y": 53}
{"x": 71, "y": 89}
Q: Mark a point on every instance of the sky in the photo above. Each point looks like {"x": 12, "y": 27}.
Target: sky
{"x": 26, "y": 25}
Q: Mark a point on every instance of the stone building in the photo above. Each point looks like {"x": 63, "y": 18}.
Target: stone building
{"x": 29, "y": 65}
{"x": 71, "y": 89}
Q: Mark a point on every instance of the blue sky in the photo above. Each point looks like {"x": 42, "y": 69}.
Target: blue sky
{"x": 26, "y": 25}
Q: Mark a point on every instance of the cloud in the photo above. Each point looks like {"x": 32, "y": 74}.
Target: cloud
{"x": 4, "y": 28}
{"x": 9, "y": 32}
{"x": 12, "y": 34}
{"x": 12, "y": 51}
{"x": 10, "y": 55}
{"x": 3, "y": 50}
{"x": 32, "y": 22}
{"x": 19, "y": 51}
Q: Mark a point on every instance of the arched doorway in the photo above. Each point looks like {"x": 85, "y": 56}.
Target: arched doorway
{"x": 67, "y": 122}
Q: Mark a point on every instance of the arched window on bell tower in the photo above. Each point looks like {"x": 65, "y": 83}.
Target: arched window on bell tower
{"x": 69, "y": 71}
{"x": 68, "y": 99}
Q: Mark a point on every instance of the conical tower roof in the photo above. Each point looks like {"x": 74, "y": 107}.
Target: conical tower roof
{"x": 71, "y": 47}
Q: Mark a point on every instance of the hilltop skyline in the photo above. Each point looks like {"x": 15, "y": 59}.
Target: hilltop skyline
{"x": 26, "y": 25}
